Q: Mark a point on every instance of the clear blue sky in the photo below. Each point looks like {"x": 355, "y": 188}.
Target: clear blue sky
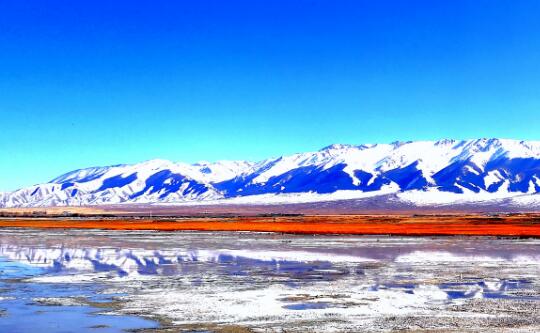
{"x": 86, "y": 83}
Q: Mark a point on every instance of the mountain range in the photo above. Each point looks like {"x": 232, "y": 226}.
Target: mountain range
{"x": 417, "y": 172}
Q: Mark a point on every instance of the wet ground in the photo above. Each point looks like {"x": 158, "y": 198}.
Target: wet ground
{"x": 108, "y": 281}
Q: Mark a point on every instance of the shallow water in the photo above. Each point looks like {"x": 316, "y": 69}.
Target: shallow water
{"x": 263, "y": 281}
{"x": 23, "y": 312}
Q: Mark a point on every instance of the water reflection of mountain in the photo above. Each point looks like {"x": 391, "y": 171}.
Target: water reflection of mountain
{"x": 172, "y": 262}
{"x": 231, "y": 263}
{"x": 147, "y": 253}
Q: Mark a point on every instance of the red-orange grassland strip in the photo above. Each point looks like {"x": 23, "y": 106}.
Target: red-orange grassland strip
{"x": 359, "y": 225}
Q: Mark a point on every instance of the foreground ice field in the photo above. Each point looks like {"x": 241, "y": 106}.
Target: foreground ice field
{"x": 196, "y": 281}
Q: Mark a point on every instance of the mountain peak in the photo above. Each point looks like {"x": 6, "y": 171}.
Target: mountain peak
{"x": 397, "y": 144}
{"x": 445, "y": 142}
{"x": 337, "y": 146}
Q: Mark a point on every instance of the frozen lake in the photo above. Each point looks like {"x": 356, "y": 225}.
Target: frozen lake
{"x": 110, "y": 281}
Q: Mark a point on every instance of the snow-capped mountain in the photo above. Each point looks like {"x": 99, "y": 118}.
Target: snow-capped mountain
{"x": 422, "y": 172}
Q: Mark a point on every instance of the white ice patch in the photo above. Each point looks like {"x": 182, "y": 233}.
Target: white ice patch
{"x": 440, "y": 257}
{"x": 269, "y": 305}
{"x": 424, "y": 257}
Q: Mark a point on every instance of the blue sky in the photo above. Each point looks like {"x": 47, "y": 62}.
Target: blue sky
{"x": 89, "y": 83}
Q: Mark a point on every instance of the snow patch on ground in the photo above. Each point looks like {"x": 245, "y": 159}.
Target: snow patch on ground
{"x": 527, "y": 200}
{"x": 288, "y": 198}
{"x": 436, "y": 197}
{"x": 439, "y": 257}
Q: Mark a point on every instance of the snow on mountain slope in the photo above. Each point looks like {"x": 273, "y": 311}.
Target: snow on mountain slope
{"x": 421, "y": 172}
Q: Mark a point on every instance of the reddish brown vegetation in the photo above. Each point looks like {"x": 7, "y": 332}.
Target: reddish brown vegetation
{"x": 515, "y": 225}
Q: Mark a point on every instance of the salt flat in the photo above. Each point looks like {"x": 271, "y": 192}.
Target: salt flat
{"x": 215, "y": 281}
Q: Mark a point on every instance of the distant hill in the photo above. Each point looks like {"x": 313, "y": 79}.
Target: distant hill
{"x": 488, "y": 172}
